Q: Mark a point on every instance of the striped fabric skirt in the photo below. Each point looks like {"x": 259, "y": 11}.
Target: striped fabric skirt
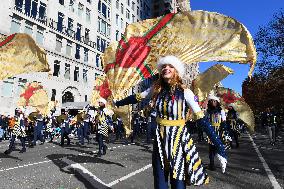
{"x": 178, "y": 155}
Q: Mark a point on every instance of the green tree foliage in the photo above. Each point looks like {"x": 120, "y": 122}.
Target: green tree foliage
{"x": 269, "y": 42}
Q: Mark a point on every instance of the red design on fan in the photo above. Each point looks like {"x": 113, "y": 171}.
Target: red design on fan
{"x": 229, "y": 97}
{"x": 105, "y": 92}
{"x": 29, "y": 92}
{"x": 134, "y": 52}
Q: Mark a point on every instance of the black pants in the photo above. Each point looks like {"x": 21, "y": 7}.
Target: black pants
{"x": 12, "y": 142}
{"x": 64, "y": 135}
{"x": 212, "y": 153}
{"x": 102, "y": 146}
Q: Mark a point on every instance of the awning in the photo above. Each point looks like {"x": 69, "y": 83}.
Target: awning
{"x": 75, "y": 105}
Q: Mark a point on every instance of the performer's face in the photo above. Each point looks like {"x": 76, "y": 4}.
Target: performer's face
{"x": 213, "y": 102}
{"x": 168, "y": 71}
{"x": 101, "y": 104}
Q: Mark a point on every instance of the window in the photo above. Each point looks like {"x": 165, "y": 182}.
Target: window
{"x": 127, "y": 14}
{"x": 85, "y": 76}
{"x": 61, "y": 2}
{"x": 19, "y": 5}
{"x": 60, "y": 21}
{"x": 103, "y": 45}
{"x": 138, "y": 11}
{"x": 103, "y": 27}
{"x": 86, "y": 56}
{"x": 117, "y": 35}
{"x": 133, "y": 5}
{"x": 58, "y": 44}
{"x": 42, "y": 11}
{"x": 108, "y": 13}
{"x": 77, "y": 54}
{"x": 34, "y": 8}
{"x": 116, "y": 19}
{"x": 108, "y": 30}
{"x": 78, "y": 33}
{"x": 56, "y": 68}
{"x": 104, "y": 10}
{"x": 88, "y": 15}
{"x": 97, "y": 60}
{"x": 87, "y": 35}
{"x": 99, "y": 24}
{"x": 133, "y": 18}
{"x": 71, "y": 5}
{"x": 86, "y": 98}
{"x": 70, "y": 27}
{"x": 15, "y": 25}
{"x": 80, "y": 9}
{"x": 99, "y": 6}
{"x": 27, "y": 7}
{"x": 29, "y": 28}
{"x": 121, "y": 6}
{"x": 76, "y": 74}
{"x": 128, "y": 2}
{"x": 67, "y": 71}
{"x": 68, "y": 48}
{"x": 39, "y": 35}
{"x": 98, "y": 43}
{"x": 121, "y": 23}
{"x": 53, "y": 95}
{"x": 89, "y": 1}
{"x": 117, "y": 4}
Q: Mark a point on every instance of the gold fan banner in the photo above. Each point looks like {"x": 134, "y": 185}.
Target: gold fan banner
{"x": 206, "y": 81}
{"x": 195, "y": 36}
{"x": 20, "y": 54}
{"x": 34, "y": 96}
{"x": 229, "y": 96}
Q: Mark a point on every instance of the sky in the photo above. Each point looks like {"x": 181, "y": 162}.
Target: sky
{"x": 252, "y": 14}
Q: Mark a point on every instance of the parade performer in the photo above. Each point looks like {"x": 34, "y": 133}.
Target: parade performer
{"x": 232, "y": 122}
{"x": 38, "y": 129}
{"x": 103, "y": 123}
{"x": 65, "y": 130}
{"x": 217, "y": 117}
{"x": 174, "y": 153}
{"x": 18, "y": 132}
{"x": 269, "y": 121}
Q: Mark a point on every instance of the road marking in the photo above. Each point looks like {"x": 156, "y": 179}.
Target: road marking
{"x": 129, "y": 175}
{"x": 271, "y": 177}
{"x": 86, "y": 173}
{"x": 26, "y": 165}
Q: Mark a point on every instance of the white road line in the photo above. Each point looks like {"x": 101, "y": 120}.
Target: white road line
{"x": 26, "y": 165}
{"x": 271, "y": 177}
{"x": 129, "y": 175}
{"x": 83, "y": 171}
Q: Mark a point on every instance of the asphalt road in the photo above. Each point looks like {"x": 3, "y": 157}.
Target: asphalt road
{"x": 128, "y": 165}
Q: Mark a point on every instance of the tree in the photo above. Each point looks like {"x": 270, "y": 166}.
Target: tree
{"x": 269, "y": 42}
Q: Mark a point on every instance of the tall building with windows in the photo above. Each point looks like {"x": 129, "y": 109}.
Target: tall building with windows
{"x": 161, "y": 7}
{"x": 74, "y": 34}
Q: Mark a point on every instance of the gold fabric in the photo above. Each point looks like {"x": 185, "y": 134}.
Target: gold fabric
{"x": 169, "y": 123}
{"x": 205, "y": 82}
{"x": 21, "y": 55}
{"x": 244, "y": 111}
{"x": 195, "y": 36}
{"x": 38, "y": 100}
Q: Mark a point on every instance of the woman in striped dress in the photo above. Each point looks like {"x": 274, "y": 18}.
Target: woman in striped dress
{"x": 103, "y": 123}
{"x": 217, "y": 117}
{"x": 174, "y": 153}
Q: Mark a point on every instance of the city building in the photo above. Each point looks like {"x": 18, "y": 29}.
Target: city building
{"x": 74, "y": 34}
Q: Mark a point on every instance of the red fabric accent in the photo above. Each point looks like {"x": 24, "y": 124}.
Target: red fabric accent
{"x": 109, "y": 67}
{"x": 229, "y": 97}
{"x": 135, "y": 51}
{"x": 7, "y": 40}
{"x": 29, "y": 92}
{"x": 105, "y": 92}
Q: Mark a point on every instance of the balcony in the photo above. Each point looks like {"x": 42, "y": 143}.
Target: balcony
{"x": 70, "y": 33}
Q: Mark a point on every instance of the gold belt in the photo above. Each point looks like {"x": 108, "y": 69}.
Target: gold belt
{"x": 165, "y": 122}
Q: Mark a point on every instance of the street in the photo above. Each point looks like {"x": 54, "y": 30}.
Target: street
{"x": 128, "y": 165}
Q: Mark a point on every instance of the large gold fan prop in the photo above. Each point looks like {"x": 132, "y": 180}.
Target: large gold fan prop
{"x": 20, "y": 54}
{"x": 228, "y": 96}
{"x": 34, "y": 96}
